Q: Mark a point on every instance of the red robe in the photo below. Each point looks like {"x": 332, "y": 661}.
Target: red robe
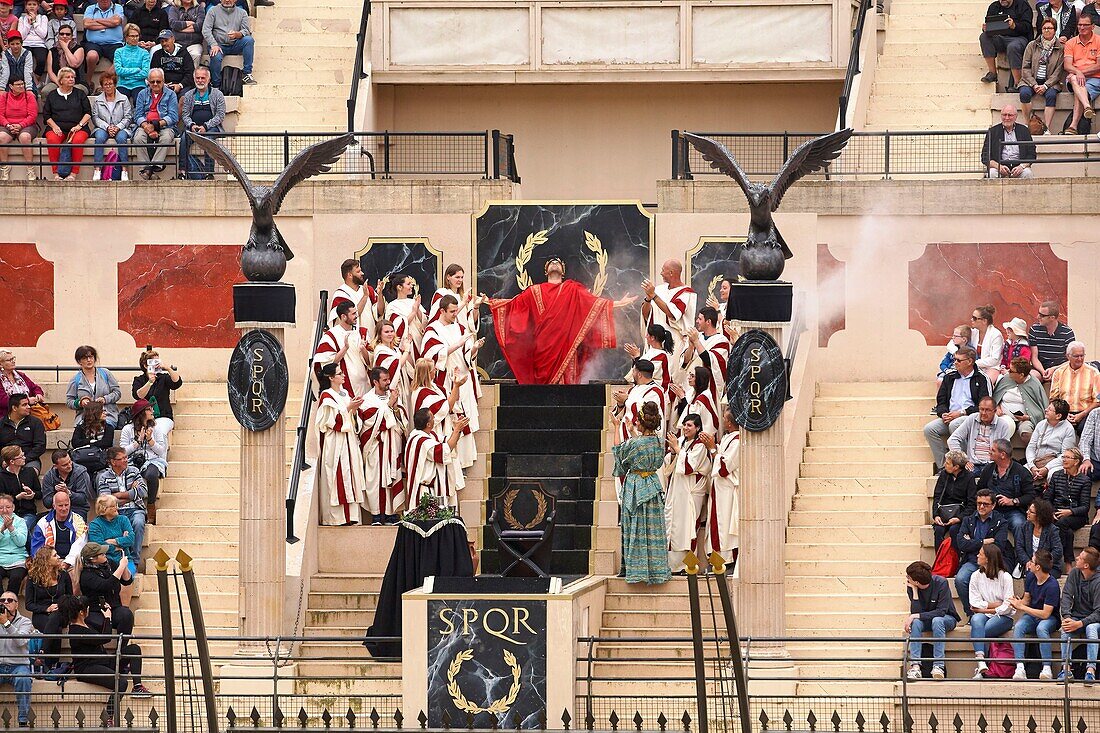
{"x": 548, "y": 331}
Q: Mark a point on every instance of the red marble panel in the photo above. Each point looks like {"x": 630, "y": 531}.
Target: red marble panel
{"x": 173, "y": 295}
{"x": 26, "y": 290}
{"x": 830, "y": 294}
{"x": 948, "y": 280}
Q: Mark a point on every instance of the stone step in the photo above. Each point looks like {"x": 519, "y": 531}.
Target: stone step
{"x": 652, "y": 652}
{"x": 217, "y": 421}
{"x": 870, "y": 406}
{"x": 197, "y": 549}
{"x": 207, "y": 583}
{"x": 931, "y": 46}
{"x": 865, "y": 438}
{"x": 857, "y": 485}
{"x": 869, "y": 619}
{"x": 864, "y": 536}
{"x": 179, "y": 498}
{"x": 191, "y": 518}
{"x": 341, "y": 600}
{"x": 223, "y": 567}
{"x": 223, "y": 535}
{"x": 324, "y": 64}
{"x": 843, "y": 568}
{"x": 339, "y": 618}
{"x": 859, "y": 502}
{"x": 341, "y": 632}
{"x": 891, "y": 454}
{"x": 957, "y": 91}
{"x": 940, "y": 21}
{"x": 149, "y": 617}
{"x": 961, "y": 60}
{"x": 677, "y": 586}
{"x": 346, "y": 649}
{"x": 227, "y": 453}
{"x": 329, "y": 687}
{"x": 960, "y": 35}
{"x": 647, "y": 621}
{"x": 933, "y": 108}
{"x": 334, "y": 582}
{"x": 809, "y": 602}
{"x": 868, "y": 517}
{"x": 876, "y": 389}
{"x": 822, "y": 551}
{"x": 915, "y": 421}
{"x": 293, "y": 106}
{"x": 883, "y": 469}
{"x": 303, "y": 26}
{"x": 642, "y": 602}
{"x": 949, "y": 78}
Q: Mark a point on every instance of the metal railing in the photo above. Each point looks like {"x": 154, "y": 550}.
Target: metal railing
{"x": 298, "y": 464}
{"x": 853, "y": 61}
{"x": 357, "y": 74}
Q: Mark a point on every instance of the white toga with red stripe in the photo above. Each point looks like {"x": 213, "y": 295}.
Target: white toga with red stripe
{"x": 434, "y": 399}
{"x": 353, "y": 365}
{"x": 688, "y": 485}
{"x": 428, "y": 468}
{"x": 681, "y": 303}
{"x": 339, "y": 474}
{"x": 724, "y": 514}
{"x": 382, "y": 437}
{"x": 438, "y": 340}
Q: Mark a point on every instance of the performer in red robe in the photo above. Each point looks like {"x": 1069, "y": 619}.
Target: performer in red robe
{"x": 549, "y": 331}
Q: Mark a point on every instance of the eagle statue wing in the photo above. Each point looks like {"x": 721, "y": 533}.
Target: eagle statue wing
{"x": 228, "y": 162}
{"x": 720, "y": 159}
{"x": 317, "y": 158}
{"x": 807, "y": 158}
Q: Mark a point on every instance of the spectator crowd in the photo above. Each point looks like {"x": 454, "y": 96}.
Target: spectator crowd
{"x": 154, "y": 92}
{"x": 71, "y": 536}
{"x": 1014, "y": 438}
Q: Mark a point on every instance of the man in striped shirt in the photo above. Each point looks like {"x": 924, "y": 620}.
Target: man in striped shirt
{"x": 1077, "y": 383}
{"x": 1049, "y": 339}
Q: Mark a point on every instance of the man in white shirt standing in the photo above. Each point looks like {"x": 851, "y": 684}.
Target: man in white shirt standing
{"x": 348, "y": 345}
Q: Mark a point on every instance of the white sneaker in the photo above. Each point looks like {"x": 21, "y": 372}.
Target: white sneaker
{"x": 1046, "y": 674}
{"x": 914, "y": 672}
{"x": 125, "y": 176}
{"x": 5, "y": 172}
{"x": 97, "y": 175}
{"x": 31, "y": 176}
{"x": 1020, "y": 673}
{"x": 937, "y": 672}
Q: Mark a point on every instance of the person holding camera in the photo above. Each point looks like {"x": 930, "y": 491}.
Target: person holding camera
{"x": 146, "y": 446}
{"x": 155, "y": 384}
{"x": 122, "y": 482}
{"x": 102, "y": 580}
{"x": 15, "y": 633}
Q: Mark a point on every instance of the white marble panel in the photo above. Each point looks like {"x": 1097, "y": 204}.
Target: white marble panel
{"x": 459, "y": 37}
{"x": 610, "y": 35}
{"x": 762, "y": 34}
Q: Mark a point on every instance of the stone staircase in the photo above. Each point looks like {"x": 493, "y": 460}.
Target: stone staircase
{"x": 927, "y": 77}
{"x": 303, "y": 65}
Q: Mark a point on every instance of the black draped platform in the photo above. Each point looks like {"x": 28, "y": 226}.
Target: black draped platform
{"x": 421, "y": 549}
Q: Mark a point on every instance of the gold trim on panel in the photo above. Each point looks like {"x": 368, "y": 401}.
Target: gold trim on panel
{"x": 371, "y": 241}
{"x": 706, "y": 239}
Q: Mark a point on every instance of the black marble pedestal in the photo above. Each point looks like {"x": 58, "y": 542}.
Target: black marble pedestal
{"x": 763, "y": 301}
{"x": 256, "y": 302}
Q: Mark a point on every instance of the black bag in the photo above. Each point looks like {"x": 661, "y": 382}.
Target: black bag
{"x": 92, "y": 458}
{"x": 947, "y": 512}
{"x": 1084, "y": 126}
{"x": 125, "y": 416}
{"x": 232, "y": 81}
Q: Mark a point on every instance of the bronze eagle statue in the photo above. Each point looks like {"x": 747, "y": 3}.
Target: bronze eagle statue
{"x": 765, "y": 250}
{"x": 264, "y": 257}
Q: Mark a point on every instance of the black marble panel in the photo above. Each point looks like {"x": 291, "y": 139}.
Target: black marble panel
{"x": 486, "y": 657}
{"x": 258, "y": 380}
{"x": 711, "y": 261}
{"x": 624, "y": 231}
{"x": 384, "y": 257}
{"x": 756, "y": 381}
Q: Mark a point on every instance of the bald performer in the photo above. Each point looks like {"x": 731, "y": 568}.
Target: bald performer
{"x": 671, "y": 304}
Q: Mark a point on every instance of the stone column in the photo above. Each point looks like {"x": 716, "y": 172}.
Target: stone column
{"x": 762, "y": 531}
{"x": 262, "y": 549}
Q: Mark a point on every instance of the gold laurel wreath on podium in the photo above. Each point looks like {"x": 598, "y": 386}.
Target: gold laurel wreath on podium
{"x": 591, "y": 241}
{"x": 497, "y": 706}
{"x": 540, "y": 510}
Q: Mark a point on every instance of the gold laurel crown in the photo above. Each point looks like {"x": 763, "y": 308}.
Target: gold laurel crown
{"x": 591, "y": 241}
{"x": 496, "y": 706}
{"x": 540, "y": 510}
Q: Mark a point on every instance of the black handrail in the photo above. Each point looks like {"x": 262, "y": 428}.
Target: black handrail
{"x": 357, "y": 74}
{"x": 298, "y": 464}
{"x": 853, "y": 62}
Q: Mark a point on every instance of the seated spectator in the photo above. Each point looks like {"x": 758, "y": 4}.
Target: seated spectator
{"x": 227, "y": 29}
{"x": 1064, "y": 16}
{"x": 1090, "y": 446}
{"x": 15, "y": 661}
{"x": 1012, "y": 42}
{"x": 68, "y": 114}
{"x": 203, "y": 113}
{"x": 1037, "y": 613}
{"x": 9, "y": 22}
{"x": 88, "y": 633}
{"x": 146, "y": 447}
{"x": 155, "y": 384}
{"x": 976, "y": 434}
{"x": 1020, "y": 398}
{"x": 18, "y": 63}
{"x": 1082, "y": 71}
{"x": 66, "y": 52}
{"x": 1080, "y": 611}
{"x": 103, "y": 22}
{"x": 93, "y": 384}
{"x": 123, "y": 483}
{"x": 70, "y": 478}
{"x": 23, "y": 429}
{"x": 156, "y": 114}
{"x": 13, "y": 545}
{"x": 985, "y": 526}
{"x": 60, "y": 18}
{"x": 1049, "y": 338}
{"x": 1039, "y": 533}
{"x": 20, "y": 482}
{"x": 132, "y": 64}
{"x": 1068, "y": 491}
{"x": 152, "y": 19}
{"x": 1001, "y": 154}
{"x": 13, "y": 381}
{"x": 952, "y": 498}
{"x": 1042, "y": 74}
{"x": 47, "y": 583}
{"x": 959, "y": 337}
{"x": 62, "y": 529}
{"x": 989, "y": 341}
{"x": 931, "y": 609}
{"x": 96, "y": 433}
{"x": 103, "y": 580}
{"x": 114, "y": 116}
{"x": 185, "y": 18}
{"x": 1015, "y": 343}
{"x": 960, "y": 392}
{"x": 1077, "y": 383}
{"x": 1011, "y": 484}
{"x": 1051, "y": 437}
{"x": 18, "y": 123}
{"x": 35, "y": 30}
{"x": 991, "y": 613}
{"x": 175, "y": 62}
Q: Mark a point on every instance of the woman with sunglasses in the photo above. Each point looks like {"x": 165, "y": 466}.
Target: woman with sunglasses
{"x": 989, "y": 341}
{"x": 66, "y": 52}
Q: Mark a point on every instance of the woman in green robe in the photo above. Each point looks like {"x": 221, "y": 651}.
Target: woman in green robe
{"x": 638, "y": 460}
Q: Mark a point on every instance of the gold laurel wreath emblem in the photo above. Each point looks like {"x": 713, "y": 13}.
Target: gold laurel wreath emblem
{"x": 713, "y": 284}
{"x": 497, "y": 706}
{"x": 591, "y": 241}
{"x": 540, "y": 510}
